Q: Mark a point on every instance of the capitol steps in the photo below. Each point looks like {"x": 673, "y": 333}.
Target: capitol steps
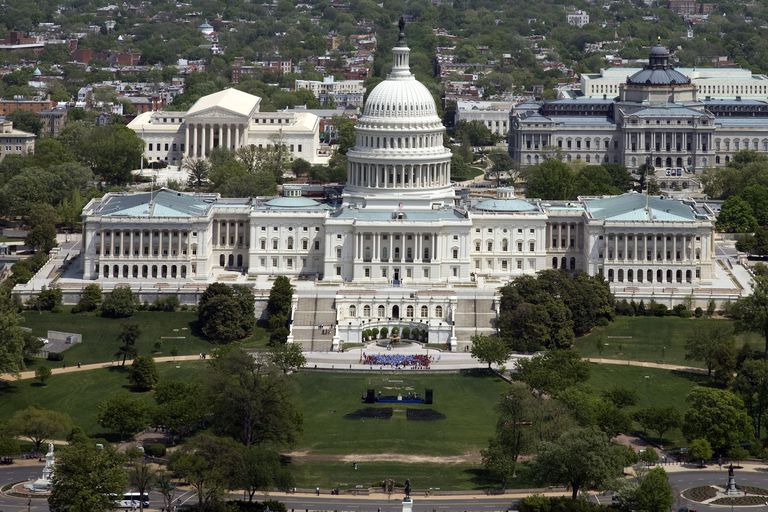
{"x": 311, "y": 312}
{"x": 474, "y": 316}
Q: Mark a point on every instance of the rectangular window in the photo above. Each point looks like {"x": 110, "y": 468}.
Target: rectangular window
{"x": 150, "y": 146}
{"x": 317, "y": 245}
{"x": 274, "y": 262}
{"x": 166, "y": 146}
{"x": 519, "y": 264}
{"x": 532, "y": 246}
{"x": 503, "y": 264}
{"x": 383, "y": 272}
{"x": 426, "y": 272}
{"x": 299, "y": 148}
{"x": 367, "y": 271}
{"x": 338, "y": 271}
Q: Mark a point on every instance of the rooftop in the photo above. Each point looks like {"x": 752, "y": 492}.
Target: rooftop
{"x": 639, "y": 208}
{"x": 161, "y": 203}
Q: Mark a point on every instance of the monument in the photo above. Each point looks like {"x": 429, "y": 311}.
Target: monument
{"x": 43, "y": 484}
{"x": 730, "y": 488}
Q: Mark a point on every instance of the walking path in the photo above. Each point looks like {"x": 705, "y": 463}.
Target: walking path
{"x": 352, "y": 360}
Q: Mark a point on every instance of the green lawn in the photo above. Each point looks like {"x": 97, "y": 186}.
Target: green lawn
{"x": 467, "y": 402}
{"x": 78, "y": 393}
{"x": 653, "y": 387}
{"x": 170, "y": 330}
{"x": 648, "y": 338}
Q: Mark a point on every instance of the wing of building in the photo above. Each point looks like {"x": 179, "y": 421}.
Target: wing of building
{"x": 659, "y": 118}
{"x": 397, "y": 247}
{"x": 228, "y": 119}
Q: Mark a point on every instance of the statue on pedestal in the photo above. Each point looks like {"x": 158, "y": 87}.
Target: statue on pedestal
{"x": 730, "y": 488}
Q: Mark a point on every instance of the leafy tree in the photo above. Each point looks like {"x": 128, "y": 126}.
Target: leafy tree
{"x": 513, "y": 433}
{"x": 12, "y": 336}
{"x": 756, "y": 243}
{"x": 712, "y": 344}
{"x": 752, "y": 311}
{"x": 89, "y": 300}
{"x": 736, "y": 216}
{"x": 552, "y": 179}
{"x": 700, "y": 450}
{"x": 658, "y": 419}
{"x": 552, "y": 372}
{"x": 621, "y": 397}
{"x": 129, "y": 335}
{"x": 751, "y": 384}
{"x": 345, "y": 129}
{"x": 42, "y": 373}
{"x": 475, "y": 133}
{"x": 260, "y": 468}
{"x": 165, "y": 486}
{"x": 143, "y": 374}
{"x": 490, "y": 350}
{"x": 141, "y": 476}
{"x": 119, "y": 303}
{"x": 9, "y": 446}
{"x": 279, "y": 303}
{"x": 287, "y": 357}
{"x": 579, "y": 458}
{"x": 26, "y": 121}
{"x": 718, "y": 416}
{"x": 86, "y": 479}
{"x": 654, "y": 492}
{"x": 209, "y": 464}
{"x": 198, "y": 171}
{"x": 757, "y": 197}
{"x": 39, "y": 425}
{"x": 649, "y": 456}
{"x": 502, "y": 164}
{"x": 122, "y": 414}
{"x": 250, "y": 401}
{"x": 110, "y": 151}
{"x": 226, "y": 313}
{"x": 49, "y": 299}
{"x": 180, "y": 409}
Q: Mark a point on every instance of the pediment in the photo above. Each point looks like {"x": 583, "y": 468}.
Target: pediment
{"x": 217, "y": 113}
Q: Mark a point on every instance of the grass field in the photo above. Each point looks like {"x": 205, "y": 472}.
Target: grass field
{"x": 467, "y": 402}
{"x": 653, "y": 387}
{"x": 170, "y": 330}
{"x": 648, "y": 338}
{"x": 78, "y": 393}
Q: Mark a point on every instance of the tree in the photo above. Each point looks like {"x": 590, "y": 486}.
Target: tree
{"x": 718, "y": 416}
{"x": 209, "y": 464}
{"x": 165, "y": 486}
{"x": 751, "y": 384}
{"x": 122, "y": 414}
{"x": 42, "y": 373}
{"x": 654, "y": 492}
{"x": 552, "y": 372}
{"x": 475, "y": 133}
{"x": 658, "y": 419}
{"x": 119, "y": 303}
{"x": 502, "y": 164}
{"x": 26, "y": 121}
{"x": 90, "y": 299}
{"x": 141, "y": 477}
{"x": 279, "y": 303}
{"x": 143, "y": 376}
{"x": 129, "y": 335}
{"x": 552, "y": 179}
{"x": 39, "y": 425}
{"x": 700, "y": 450}
{"x": 180, "y": 409}
{"x": 621, "y": 397}
{"x": 110, "y": 151}
{"x": 198, "y": 171}
{"x": 756, "y": 244}
{"x": 87, "y": 479}
{"x": 226, "y": 313}
{"x": 736, "y": 216}
{"x": 251, "y": 401}
{"x": 490, "y": 350}
{"x": 345, "y": 130}
{"x": 287, "y": 357}
{"x": 752, "y": 311}
{"x": 712, "y": 344}
{"x": 513, "y": 433}
{"x": 12, "y": 336}
{"x": 260, "y": 469}
{"x": 9, "y": 446}
{"x": 580, "y": 457}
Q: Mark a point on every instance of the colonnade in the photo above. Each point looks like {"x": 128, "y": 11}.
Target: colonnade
{"x": 560, "y": 234}
{"x": 201, "y": 138}
{"x": 382, "y": 246}
{"x": 230, "y": 233}
{"x": 399, "y": 176}
{"x": 654, "y": 247}
{"x": 132, "y": 244}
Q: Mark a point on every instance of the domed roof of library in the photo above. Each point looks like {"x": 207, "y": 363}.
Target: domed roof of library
{"x": 400, "y": 97}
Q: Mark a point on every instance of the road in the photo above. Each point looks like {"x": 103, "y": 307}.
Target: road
{"x": 686, "y": 480}
{"x": 13, "y": 474}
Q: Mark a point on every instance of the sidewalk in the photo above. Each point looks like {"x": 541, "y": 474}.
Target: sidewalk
{"x": 647, "y": 364}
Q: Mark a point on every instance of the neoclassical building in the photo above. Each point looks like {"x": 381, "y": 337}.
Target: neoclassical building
{"x": 228, "y": 119}
{"x": 659, "y": 117}
{"x": 400, "y": 247}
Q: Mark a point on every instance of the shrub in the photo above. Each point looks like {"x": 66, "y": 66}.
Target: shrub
{"x": 698, "y": 312}
{"x": 155, "y": 450}
{"x": 383, "y": 332}
{"x": 120, "y": 303}
{"x": 406, "y": 333}
{"x": 395, "y": 331}
{"x": 375, "y": 333}
{"x": 167, "y": 304}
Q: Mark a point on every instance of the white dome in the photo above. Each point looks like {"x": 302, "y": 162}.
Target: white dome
{"x": 400, "y": 98}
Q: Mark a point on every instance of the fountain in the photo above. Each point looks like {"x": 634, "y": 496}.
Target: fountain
{"x": 43, "y": 484}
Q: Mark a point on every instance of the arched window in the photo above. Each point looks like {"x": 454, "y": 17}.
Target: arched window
{"x": 554, "y": 262}
{"x": 610, "y": 275}
{"x": 439, "y": 311}
{"x": 231, "y": 260}
{"x": 144, "y": 271}
{"x": 424, "y": 312}
{"x": 573, "y": 263}
{"x": 381, "y": 311}
{"x": 366, "y": 311}
{"x": 222, "y": 259}
{"x": 106, "y": 271}
{"x": 409, "y": 311}
{"x": 239, "y": 260}
{"x": 290, "y": 243}
{"x": 164, "y": 271}
{"x": 305, "y": 244}
{"x": 154, "y": 270}
{"x": 174, "y": 271}
{"x": 505, "y": 245}
{"x": 352, "y": 311}
{"x": 135, "y": 271}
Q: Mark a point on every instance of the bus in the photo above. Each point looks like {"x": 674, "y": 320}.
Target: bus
{"x": 132, "y": 500}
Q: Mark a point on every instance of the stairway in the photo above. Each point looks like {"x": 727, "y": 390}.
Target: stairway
{"x": 311, "y": 312}
{"x": 474, "y": 316}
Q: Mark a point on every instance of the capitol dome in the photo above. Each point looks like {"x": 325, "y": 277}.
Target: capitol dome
{"x": 399, "y": 159}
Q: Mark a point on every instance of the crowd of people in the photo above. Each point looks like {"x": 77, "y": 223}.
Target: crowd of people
{"x": 398, "y": 360}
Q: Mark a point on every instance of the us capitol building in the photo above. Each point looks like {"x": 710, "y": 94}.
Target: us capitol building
{"x": 399, "y": 249}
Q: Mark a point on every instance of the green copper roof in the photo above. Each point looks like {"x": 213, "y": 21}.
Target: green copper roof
{"x": 639, "y": 208}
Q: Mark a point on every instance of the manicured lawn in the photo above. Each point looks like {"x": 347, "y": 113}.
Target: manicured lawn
{"x": 466, "y": 401}
{"x": 170, "y": 330}
{"x": 78, "y": 393}
{"x": 422, "y": 476}
{"x": 653, "y": 387}
{"x": 648, "y": 338}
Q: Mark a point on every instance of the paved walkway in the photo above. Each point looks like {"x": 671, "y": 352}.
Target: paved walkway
{"x": 647, "y": 364}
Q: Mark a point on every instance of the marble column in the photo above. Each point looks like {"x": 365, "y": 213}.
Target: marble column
{"x": 186, "y": 140}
